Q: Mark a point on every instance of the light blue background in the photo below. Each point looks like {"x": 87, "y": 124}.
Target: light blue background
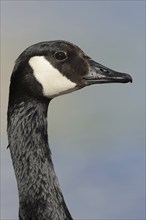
{"x": 96, "y": 134}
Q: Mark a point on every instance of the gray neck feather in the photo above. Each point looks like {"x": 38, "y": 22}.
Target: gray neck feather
{"x": 40, "y": 196}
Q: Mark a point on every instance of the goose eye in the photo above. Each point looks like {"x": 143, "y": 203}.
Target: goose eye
{"x": 60, "y": 55}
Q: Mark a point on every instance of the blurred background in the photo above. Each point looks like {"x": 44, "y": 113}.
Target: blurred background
{"x": 96, "y": 134}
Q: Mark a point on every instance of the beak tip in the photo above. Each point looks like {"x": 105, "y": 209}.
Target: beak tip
{"x": 129, "y": 78}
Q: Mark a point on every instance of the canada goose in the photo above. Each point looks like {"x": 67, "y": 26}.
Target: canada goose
{"x": 43, "y": 71}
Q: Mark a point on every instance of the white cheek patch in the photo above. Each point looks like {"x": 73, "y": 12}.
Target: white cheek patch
{"x": 52, "y": 81}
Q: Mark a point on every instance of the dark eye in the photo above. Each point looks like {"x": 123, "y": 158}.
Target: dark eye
{"x": 60, "y": 55}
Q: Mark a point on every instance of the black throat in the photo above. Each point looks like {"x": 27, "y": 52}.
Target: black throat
{"x": 40, "y": 197}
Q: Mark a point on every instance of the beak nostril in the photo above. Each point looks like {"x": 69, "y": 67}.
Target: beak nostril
{"x": 104, "y": 70}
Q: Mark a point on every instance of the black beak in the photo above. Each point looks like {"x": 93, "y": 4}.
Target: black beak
{"x": 100, "y": 74}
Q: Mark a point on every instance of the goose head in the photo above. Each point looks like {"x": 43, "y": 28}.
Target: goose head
{"x": 49, "y": 69}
